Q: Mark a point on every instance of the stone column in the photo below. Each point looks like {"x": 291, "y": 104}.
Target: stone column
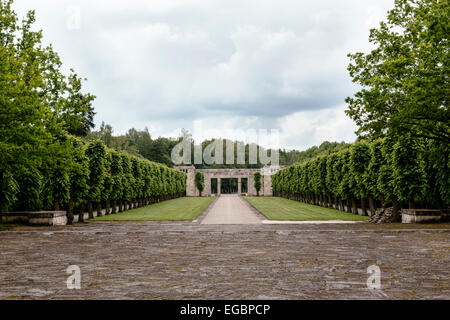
{"x": 251, "y": 185}
{"x": 219, "y": 191}
{"x": 239, "y": 186}
{"x": 207, "y": 191}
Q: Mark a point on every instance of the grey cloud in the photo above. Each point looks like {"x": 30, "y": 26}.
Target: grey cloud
{"x": 170, "y": 63}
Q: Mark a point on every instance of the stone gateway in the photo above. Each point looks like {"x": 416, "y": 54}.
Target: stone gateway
{"x": 214, "y": 179}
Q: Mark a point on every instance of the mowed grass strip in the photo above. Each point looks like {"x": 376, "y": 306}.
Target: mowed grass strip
{"x": 288, "y": 210}
{"x": 181, "y": 209}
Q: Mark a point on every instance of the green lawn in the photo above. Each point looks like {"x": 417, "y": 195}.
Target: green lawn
{"x": 4, "y": 228}
{"x": 289, "y": 210}
{"x": 182, "y": 209}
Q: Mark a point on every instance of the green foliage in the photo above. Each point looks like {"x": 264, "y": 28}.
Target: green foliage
{"x": 9, "y": 191}
{"x": 30, "y": 188}
{"x": 385, "y": 181}
{"x": 79, "y": 173}
{"x": 326, "y": 148}
{"x": 257, "y": 183}
{"x": 108, "y": 182}
{"x": 373, "y": 169}
{"x": 359, "y": 163}
{"x": 405, "y": 78}
{"x": 42, "y": 164}
{"x": 410, "y": 179}
{"x": 199, "y": 182}
{"x": 96, "y": 153}
{"x": 406, "y": 170}
{"x": 117, "y": 176}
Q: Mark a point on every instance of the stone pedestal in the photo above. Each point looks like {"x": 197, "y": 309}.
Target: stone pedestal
{"x": 421, "y": 216}
{"x": 42, "y": 218}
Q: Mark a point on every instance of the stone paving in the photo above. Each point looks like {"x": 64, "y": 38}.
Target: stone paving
{"x": 231, "y": 210}
{"x": 147, "y": 260}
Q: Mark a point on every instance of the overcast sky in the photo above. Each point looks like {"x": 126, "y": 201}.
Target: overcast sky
{"x": 229, "y": 65}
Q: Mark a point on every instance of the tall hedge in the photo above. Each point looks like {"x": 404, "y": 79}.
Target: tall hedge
{"x": 403, "y": 173}
{"x": 88, "y": 174}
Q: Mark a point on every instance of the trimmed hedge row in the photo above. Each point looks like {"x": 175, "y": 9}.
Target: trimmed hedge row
{"x": 90, "y": 174}
{"x": 401, "y": 173}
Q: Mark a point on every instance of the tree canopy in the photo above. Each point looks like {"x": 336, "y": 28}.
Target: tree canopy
{"x": 404, "y": 80}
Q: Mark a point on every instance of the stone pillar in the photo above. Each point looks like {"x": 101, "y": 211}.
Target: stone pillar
{"x": 219, "y": 191}
{"x": 207, "y": 191}
{"x": 251, "y": 185}
{"x": 239, "y": 186}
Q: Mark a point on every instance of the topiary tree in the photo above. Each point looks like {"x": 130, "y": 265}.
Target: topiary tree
{"x": 359, "y": 161}
{"x": 128, "y": 180}
{"x": 385, "y": 181}
{"x": 30, "y": 184}
{"x": 372, "y": 173}
{"x": 138, "y": 181}
{"x": 117, "y": 178}
{"x": 96, "y": 153}
{"x": 257, "y": 183}
{"x": 199, "y": 182}
{"x": 108, "y": 183}
{"x": 437, "y": 161}
{"x": 331, "y": 182}
{"x": 8, "y": 192}
{"x": 78, "y": 177}
{"x": 409, "y": 176}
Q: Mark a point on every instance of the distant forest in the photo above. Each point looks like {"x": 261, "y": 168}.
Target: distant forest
{"x": 141, "y": 143}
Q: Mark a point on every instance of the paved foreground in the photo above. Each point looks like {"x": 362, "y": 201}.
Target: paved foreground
{"x": 145, "y": 260}
{"x": 231, "y": 210}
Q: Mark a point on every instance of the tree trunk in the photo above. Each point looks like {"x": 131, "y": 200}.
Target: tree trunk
{"x": 363, "y": 207}
{"x": 341, "y": 204}
{"x": 120, "y": 206}
{"x": 99, "y": 209}
{"x": 108, "y": 207}
{"x": 56, "y": 205}
{"x": 354, "y": 206}
{"x": 90, "y": 210}
{"x": 396, "y": 211}
{"x": 81, "y": 213}
{"x": 372, "y": 206}
{"x": 114, "y": 207}
{"x": 70, "y": 212}
{"x": 411, "y": 204}
{"x": 349, "y": 209}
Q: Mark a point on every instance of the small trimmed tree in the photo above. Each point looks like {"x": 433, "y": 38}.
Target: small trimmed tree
{"x": 200, "y": 182}
{"x": 257, "y": 183}
{"x": 96, "y": 153}
{"x": 410, "y": 179}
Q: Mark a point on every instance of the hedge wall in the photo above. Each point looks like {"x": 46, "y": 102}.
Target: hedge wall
{"x": 87, "y": 175}
{"x": 404, "y": 173}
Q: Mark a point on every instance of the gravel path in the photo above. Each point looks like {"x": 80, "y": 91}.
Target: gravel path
{"x": 231, "y": 210}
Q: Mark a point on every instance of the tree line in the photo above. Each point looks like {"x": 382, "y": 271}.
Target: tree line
{"x": 45, "y": 161}
{"x": 407, "y": 172}
{"x": 402, "y": 156}
{"x": 92, "y": 177}
{"x": 140, "y": 142}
